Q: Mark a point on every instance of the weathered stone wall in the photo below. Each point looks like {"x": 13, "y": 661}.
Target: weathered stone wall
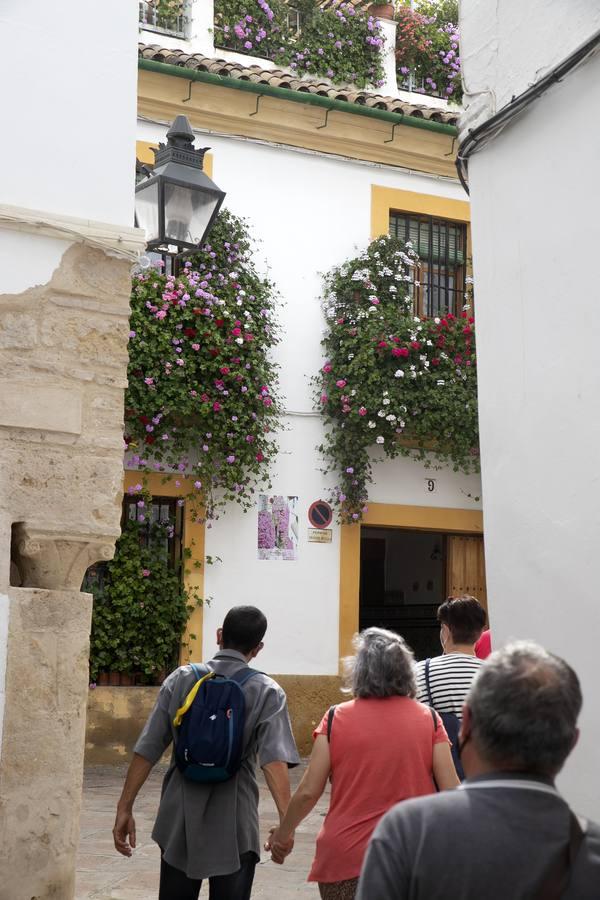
{"x": 115, "y": 715}
{"x": 63, "y": 364}
{"x": 63, "y": 359}
{"x": 41, "y": 765}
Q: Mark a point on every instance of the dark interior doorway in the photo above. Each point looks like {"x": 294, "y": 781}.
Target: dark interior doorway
{"x": 402, "y": 583}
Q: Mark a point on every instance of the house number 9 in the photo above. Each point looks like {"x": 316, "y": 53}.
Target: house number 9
{"x": 430, "y": 485}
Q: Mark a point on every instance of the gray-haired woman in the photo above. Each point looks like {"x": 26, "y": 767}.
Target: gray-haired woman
{"x": 383, "y": 747}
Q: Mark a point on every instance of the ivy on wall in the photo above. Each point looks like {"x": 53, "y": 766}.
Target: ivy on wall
{"x": 393, "y": 384}
{"x": 140, "y": 606}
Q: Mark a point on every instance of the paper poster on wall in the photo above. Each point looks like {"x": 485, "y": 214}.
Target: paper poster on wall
{"x": 277, "y": 527}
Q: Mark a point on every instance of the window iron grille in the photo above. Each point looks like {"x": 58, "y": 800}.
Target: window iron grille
{"x": 441, "y": 245}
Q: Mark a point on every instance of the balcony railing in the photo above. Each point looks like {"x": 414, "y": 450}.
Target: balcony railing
{"x": 165, "y": 16}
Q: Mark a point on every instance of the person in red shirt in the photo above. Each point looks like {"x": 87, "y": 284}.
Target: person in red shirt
{"x": 383, "y": 747}
{"x": 483, "y": 647}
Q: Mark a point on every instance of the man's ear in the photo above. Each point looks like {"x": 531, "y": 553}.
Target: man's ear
{"x": 257, "y": 650}
{"x": 575, "y": 739}
{"x": 466, "y": 724}
{"x": 220, "y": 637}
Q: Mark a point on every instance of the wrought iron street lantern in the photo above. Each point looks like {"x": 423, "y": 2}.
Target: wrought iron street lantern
{"x": 177, "y": 203}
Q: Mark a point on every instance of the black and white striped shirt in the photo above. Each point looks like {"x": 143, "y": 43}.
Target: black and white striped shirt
{"x": 450, "y": 678}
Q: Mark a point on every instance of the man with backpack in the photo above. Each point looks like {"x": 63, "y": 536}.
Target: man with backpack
{"x": 443, "y": 682}
{"x": 506, "y": 832}
{"x": 222, "y": 718}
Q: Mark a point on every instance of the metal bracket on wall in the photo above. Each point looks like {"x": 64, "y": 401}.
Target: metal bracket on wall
{"x": 451, "y": 153}
{"x": 394, "y": 126}
{"x": 258, "y": 99}
{"x": 324, "y": 125}
{"x": 189, "y": 96}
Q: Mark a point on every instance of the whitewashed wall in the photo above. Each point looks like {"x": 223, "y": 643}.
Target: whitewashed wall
{"x": 508, "y": 45}
{"x": 68, "y": 74}
{"x": 536, "y": 235}
{"x": 310, "y": 212}
{"x": 66, "y": 106}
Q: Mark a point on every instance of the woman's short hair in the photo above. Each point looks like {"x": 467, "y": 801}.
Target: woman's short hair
{"x": 383, "y": 665}
{"x": 464, "y": 616}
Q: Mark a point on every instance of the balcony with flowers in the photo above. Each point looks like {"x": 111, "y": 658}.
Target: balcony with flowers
{"x": 402, "y": 49}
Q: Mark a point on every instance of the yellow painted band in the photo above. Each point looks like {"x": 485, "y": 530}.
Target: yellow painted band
{"x": 390, "y": 515}
{"x": 384, "y": 199}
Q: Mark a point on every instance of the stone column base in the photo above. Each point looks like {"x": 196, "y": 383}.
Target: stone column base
{"x": 41, "y": 765}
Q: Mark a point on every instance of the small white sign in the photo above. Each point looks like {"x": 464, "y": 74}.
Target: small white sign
{"x": 431, "y": 485}
{"x": 320, "y": 535}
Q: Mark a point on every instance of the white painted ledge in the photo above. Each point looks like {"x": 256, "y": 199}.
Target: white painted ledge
{"x": 125, "y": 243}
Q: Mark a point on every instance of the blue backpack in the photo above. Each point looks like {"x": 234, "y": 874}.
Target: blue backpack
{"x": 210, "y": 741}
{"x": 451, "y": 724}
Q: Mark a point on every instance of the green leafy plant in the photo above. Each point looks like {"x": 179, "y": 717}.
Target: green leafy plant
{"x": 427, "y": 47}
{"x": 341, "y": 43}
{"x": 202, "y": 394}
{"x": 393, "y": 384}
{"x": 140, "y": 606}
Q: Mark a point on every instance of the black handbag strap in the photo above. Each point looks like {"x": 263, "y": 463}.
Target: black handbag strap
{"x": 427, "y": 685}
{"x": 556, "y": 877}
{"x": 330, "y": 716}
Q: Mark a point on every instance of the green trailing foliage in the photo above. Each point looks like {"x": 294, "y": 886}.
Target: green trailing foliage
{"x": 393, "y": 384}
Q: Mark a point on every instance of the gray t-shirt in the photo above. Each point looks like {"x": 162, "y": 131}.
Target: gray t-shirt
{"x": 203, "y": 829}
{"x": 493, "y": 838}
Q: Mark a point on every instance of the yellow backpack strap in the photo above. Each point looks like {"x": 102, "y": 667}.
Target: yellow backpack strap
{"x": 190, "y": 699}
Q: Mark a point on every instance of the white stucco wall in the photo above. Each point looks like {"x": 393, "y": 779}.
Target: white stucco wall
{"x": 68, "y": 74}
{"x": 535, "y": 243}
{"x": 68, "y": 105}
{"x": 310, "y": 213}
{"x": 508, "y": 45}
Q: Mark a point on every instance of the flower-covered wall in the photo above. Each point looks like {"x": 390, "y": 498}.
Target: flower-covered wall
{"x": 308, "y": 213}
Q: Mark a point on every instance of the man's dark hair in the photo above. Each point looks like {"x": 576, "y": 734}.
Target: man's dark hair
{"x": 244, "y": 628}
{"x": 464, "y": 616}
{"x": 524, "y": 707}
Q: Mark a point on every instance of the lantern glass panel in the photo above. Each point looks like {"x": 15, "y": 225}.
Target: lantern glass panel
{"x": 187, "y": 213}
{"x": 147, "y": 211}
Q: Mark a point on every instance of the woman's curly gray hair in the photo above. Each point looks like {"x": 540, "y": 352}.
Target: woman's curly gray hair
{"x": 383, "y": 665}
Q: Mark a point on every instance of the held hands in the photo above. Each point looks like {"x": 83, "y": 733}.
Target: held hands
{"x": 124, "y": 832}
{"x": 279, "y": 847}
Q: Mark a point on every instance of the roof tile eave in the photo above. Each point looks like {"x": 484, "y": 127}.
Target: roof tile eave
{"x": 290, "y": 80}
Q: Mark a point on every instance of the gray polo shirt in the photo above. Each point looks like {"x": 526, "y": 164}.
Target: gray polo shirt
{"x": 203, "y": 829}
{"x": 492, "y": 838}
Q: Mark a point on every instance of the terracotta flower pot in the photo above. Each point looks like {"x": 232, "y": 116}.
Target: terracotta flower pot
{"x": 382, "y": 10}
{"x": 102, "y": 678}
{"x": 114, "y": 679}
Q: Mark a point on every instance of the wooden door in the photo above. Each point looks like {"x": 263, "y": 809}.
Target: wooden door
{"x": 465, "y": 573}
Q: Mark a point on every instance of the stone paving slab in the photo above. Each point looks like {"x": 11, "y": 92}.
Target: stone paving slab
{"x": 102, "y": 874}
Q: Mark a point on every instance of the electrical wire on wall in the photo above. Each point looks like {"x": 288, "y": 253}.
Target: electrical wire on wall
{"x": 479, "y": 137}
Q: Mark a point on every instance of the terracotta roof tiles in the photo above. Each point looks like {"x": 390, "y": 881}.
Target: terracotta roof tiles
{"x": 288, "y": 80}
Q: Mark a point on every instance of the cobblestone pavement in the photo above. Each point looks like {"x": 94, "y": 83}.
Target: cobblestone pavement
{"x": 102, "y": 874}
